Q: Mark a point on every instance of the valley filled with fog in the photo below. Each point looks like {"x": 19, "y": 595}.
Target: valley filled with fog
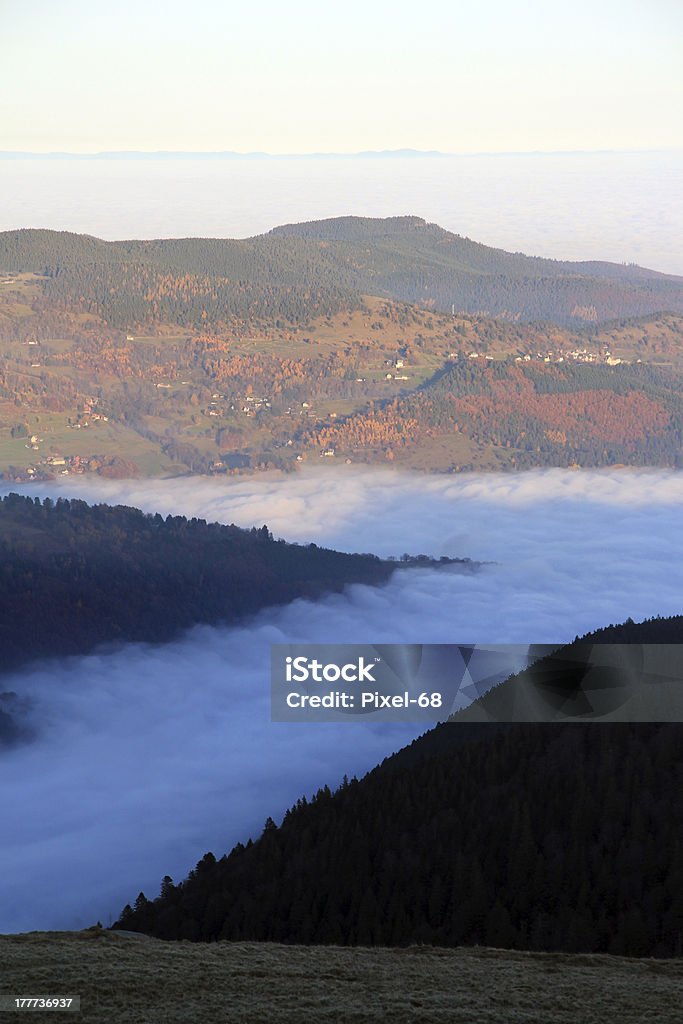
{"x": 146, "y": 757}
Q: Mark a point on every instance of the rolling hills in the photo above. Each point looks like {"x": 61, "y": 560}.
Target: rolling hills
{"x": 370, "y": 340}
{"x": 407, "y": 259}
{"x": 323, "y": 267}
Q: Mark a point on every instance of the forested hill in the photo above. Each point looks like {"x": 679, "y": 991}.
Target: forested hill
{"x": 417, "y": 262}
{"x": 542, "y": 837}
{"x": 413, "y": 235}
{"x": 192, "y": 282}
{"x": 73, "y": 576}
{"x": 308, "y": 270}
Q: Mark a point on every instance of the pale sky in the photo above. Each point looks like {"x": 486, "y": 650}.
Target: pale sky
{"x": 302, "y": 76}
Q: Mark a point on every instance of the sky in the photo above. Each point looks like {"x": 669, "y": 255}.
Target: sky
{"x": 181, "y": 754}
{"x": 86, "y": 76}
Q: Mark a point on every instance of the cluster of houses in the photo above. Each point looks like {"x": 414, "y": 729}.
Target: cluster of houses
{"x": 85, "y": 419}
{"x": 73, "y": 464}
{"x": 253, "y": 405}
{"x": 87, "y": 415}
{"x": 396, "y": 364}
{"x": 64, "y": 465}
{"x": 576, "y": 355}
{"x": 304, "y": 410}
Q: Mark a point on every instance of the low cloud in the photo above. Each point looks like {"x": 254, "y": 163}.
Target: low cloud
{"x": 149, "y": 756}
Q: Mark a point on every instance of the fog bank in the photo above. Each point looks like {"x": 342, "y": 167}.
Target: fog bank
{"x": 149, "y": 756}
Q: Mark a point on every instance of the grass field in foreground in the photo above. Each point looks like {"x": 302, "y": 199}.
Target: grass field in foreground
{"x": 124, "y": 978}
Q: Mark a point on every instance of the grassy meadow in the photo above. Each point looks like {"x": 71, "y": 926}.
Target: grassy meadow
{"x": 131, "y": 979}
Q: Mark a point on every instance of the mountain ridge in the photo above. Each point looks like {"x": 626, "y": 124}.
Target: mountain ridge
{"x": 403, "y": 258}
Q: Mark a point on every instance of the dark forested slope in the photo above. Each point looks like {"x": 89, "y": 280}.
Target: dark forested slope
{"x": 306, "y": 270}
{"x": 407, "y": 258}
{"x": 546, "y": 837}
{"x": 73, "y": 576}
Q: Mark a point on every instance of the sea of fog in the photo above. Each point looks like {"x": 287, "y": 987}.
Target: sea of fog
{"x": 150, "y": 756}
{"x": 624, "y": 207}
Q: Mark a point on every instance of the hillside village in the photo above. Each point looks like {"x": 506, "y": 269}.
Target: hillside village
{"x": 78, "y": 395}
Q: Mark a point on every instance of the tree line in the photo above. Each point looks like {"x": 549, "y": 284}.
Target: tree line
{"x": 539, "y": 837}
{"x": 73, "y": 576}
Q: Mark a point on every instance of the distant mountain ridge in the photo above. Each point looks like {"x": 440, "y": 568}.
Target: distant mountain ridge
{"x": 325, "y": 266}
{"x": 226, "y": 154}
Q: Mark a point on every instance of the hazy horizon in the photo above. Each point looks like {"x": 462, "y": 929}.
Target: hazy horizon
{"x": 625, "y": 208}
{"x": 399, "y": 151}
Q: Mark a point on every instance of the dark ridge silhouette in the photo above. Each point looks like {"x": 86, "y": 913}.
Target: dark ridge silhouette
{"x": 539, "y": 837}
{"x": 74, "y": 576}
